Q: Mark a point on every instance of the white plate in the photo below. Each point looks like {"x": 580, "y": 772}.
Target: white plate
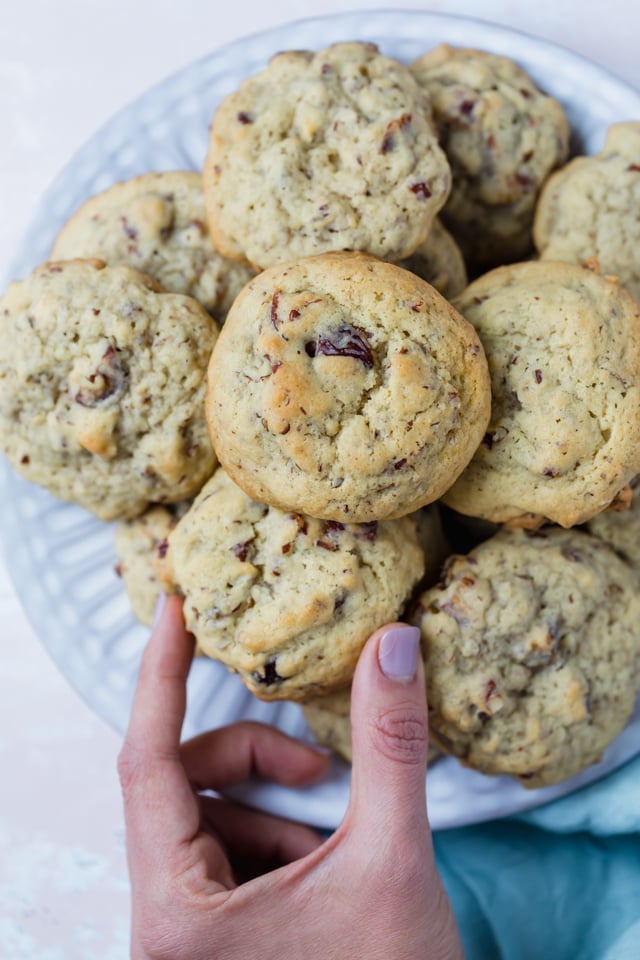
{"x": 62, "y": 560}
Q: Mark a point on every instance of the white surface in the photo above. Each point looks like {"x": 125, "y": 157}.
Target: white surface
{"x": 64, "y": 69}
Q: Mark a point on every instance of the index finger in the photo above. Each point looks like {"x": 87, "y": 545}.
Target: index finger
{"x": 160, "y": 808}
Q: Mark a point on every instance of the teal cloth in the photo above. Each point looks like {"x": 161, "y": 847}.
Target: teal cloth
{"x": 561, "y": 882}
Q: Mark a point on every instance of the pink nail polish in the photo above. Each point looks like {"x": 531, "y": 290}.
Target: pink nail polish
{"x": 398, "y": 652}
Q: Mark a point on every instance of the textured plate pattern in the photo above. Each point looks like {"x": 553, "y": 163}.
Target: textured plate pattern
{"x": 62, "y": 560}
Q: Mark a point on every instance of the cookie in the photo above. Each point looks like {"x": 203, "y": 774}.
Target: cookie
{"x": 502, "y": 137}
{"x": 346, "y": 388}
{"x": 589, "y": 207}
{"x": 156, "y": 223}
{"x": 141, "y": 547}
{"x": 102, "y": 382}
{"x": 532, "y": 654}
{"x": 284, "y": 600}
{"x": 324, "y": 151}
{"x": 563, "y": 346}
{"x": 439, "y": 261}
{"x": 432, "y": 540}
{"x": 329, "y": 720}
{"x": 620, "y": 529}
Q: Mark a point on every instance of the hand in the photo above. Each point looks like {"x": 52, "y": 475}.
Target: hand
{"x": 370, "y": 891}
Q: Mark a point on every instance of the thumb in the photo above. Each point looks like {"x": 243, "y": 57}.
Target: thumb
{"x": 386, "y": 828}
{"x": 389, "y": 735}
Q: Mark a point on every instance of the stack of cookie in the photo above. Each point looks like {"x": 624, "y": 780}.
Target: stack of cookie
{"x": 275, "y": 376}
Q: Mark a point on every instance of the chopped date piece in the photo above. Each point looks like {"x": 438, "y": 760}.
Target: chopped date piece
{"x": 367, "y": 531}
{"x": 244, "y": 118}
{"x": 343, "y": 341}
{"x": 330, "y": 545}
{"x": 299, "y": 521}
{"x": 270, "y": 675}
{"x": 274, "y": 309}
{"x": 524, "y": 181}
{"x": 388, "y": 141}
{"x": 241, "y": 550}
{"x": 333, "y": 526}
{"x": 162, "y": 548}
{"x": 421, "y": 190}
{"x": 109, "y": 380}
{"x": 331, "y": 530}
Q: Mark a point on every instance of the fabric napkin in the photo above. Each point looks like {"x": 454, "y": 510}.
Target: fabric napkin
{"x": 560, "y": 882}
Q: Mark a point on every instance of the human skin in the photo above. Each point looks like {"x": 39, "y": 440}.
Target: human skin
{"x": 213, "y": 879}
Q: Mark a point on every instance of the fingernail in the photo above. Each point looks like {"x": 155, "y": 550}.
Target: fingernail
{"x": 398, "y": 653}
{"x": 157, "y": 613}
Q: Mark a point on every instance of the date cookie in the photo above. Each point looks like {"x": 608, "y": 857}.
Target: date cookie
{"x": 502, "y": 137}
{"x": 439, "y": 261}
{"x": 324, "y": 151}
{"x": 141, "y": 546}
{"x": 588, "y": 209}
{"x": 532, "y": 654}
{"x": 329, "y": 720}
{"x": 346, "y": 388}
{"x": 620, "y": 529}
{"x": 284, "y": 600}
{"x": 156, "y": 223}
{"x": 433, "y": 541}
{"x": 102, "y": 383}
{"x": 563, "y": 346}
